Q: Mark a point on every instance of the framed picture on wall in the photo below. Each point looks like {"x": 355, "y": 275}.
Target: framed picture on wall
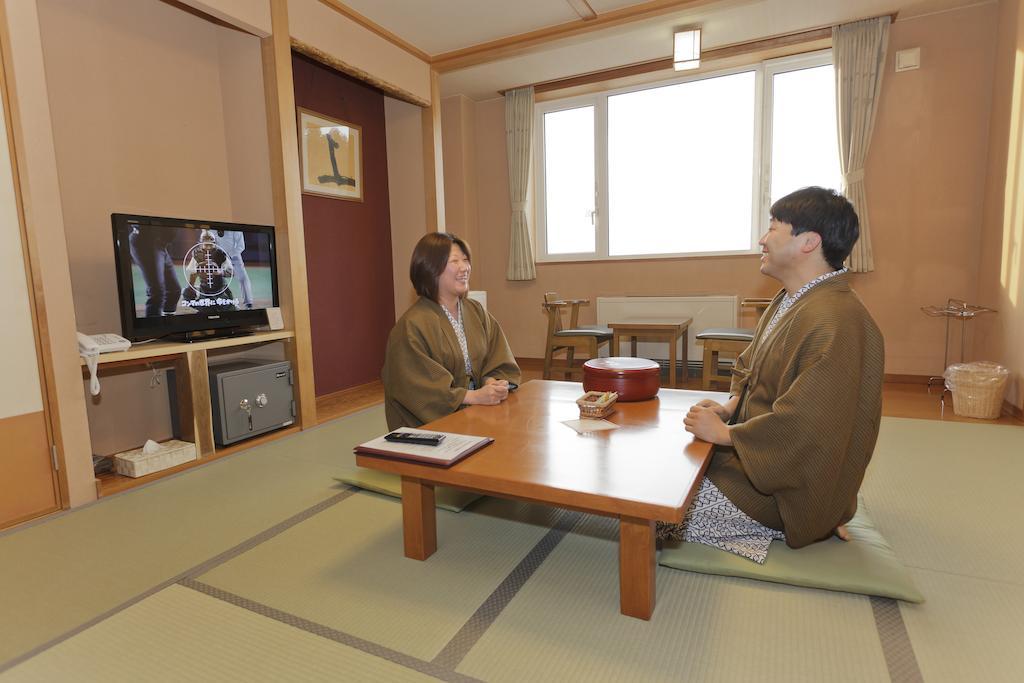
{"x": 330, "y": 156}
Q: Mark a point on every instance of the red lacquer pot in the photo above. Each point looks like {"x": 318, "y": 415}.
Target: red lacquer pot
{"x": 633, "y": 379}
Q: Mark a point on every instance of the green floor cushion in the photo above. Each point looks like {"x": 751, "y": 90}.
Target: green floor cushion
{"x": 865, "y": 564}
{"x": 391, "y": 485}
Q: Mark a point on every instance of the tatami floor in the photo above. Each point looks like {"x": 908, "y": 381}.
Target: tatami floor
{"x": 261, "y": 566}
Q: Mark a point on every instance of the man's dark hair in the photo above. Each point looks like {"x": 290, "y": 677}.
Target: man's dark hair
{"x": 826, "y": 212}
{"x": 430, "y": 258}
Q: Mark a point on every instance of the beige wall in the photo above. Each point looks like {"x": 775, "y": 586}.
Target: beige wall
{"x": 314, "y": 23}
{"x": 406, "y": 190}
{"x": 925, "y": 183}
{"x": 1001, "y": 266}
{"x": 250, "y": 15}
{"x": 459, "y": 147}
{"x": 177, "y": 130}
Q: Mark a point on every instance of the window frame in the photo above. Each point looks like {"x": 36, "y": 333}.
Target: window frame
{"x": 761, "y": 157}
{"x": 809, "y": 60}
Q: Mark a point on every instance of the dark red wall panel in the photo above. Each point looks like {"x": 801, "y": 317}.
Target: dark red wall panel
{"x": 348, "y": 244}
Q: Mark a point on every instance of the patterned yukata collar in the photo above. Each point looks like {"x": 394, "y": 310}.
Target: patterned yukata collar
{"x": 788, "y": 300}
{"x": 460, "y": 334}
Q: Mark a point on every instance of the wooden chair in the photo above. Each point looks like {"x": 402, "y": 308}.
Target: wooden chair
{"x": 570, "y": 336}
{"x": 718, "y": 340}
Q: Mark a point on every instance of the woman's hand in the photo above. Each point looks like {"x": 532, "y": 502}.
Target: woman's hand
{"x": 706, "y": 423}
{"x": 493, "y": 392}
{"x": 715, "y": 407}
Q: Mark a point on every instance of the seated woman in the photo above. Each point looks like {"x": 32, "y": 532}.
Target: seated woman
{"x": 446, "y": 351}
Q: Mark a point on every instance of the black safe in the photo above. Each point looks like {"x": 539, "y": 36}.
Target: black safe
{"x": 249, "y": 398}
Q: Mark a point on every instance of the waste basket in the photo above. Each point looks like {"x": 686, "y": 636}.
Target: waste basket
{"x": 977, "y": 388}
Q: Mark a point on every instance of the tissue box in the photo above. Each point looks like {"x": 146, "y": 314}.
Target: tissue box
{"x": 135, "y": 463}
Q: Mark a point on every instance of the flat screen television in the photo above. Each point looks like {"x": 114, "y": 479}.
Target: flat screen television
{"x": 190, "y": 279}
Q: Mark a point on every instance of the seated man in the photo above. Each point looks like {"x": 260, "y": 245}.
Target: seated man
{"x": 795, "y": 437}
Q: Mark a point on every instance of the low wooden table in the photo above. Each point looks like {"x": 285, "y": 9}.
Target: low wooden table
{"x": 654, "y": 330}
{"x": 647, "y": 470}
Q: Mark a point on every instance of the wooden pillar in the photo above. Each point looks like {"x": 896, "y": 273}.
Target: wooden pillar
{"x": 287, "y": 194}
{"x": 433, "y": 162}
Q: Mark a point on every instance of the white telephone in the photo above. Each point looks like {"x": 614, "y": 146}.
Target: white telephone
{"x": 101, "y": 343}
{"x": 90, "y": 347}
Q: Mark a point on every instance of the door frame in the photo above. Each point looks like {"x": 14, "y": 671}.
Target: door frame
{"x": 37, "y": 304}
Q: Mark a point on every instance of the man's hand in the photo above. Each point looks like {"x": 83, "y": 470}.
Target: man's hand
{"x": 705, "y": 423}
{"x": 491, "y": 393}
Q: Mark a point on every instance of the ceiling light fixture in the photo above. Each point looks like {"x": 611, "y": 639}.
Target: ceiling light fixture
{"x": 686, "y": 52}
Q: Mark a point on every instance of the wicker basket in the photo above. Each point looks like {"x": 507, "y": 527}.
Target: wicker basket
{"x": 597, "y": 404}
{"x": 977, "y": 388}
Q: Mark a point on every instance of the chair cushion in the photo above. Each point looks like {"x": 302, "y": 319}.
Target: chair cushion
{"x": 730, "y": 333}
{"x": 585, "y": 332}
{"x": 391, "y": 485}
{"x": 865, "y": 564}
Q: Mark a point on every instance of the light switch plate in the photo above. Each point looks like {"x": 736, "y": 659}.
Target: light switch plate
{"x": 908, "y": 59}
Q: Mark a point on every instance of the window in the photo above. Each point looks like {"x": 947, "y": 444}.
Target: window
{"x": 685, "y": 168}
{"x": 569, "y": 170}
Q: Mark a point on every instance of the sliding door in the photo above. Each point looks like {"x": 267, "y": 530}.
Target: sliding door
{"x": 28, "y": 478}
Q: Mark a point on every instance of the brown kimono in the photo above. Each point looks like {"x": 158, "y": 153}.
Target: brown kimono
{"x": 424, "y": 373}
{"x": 808, "y": 418}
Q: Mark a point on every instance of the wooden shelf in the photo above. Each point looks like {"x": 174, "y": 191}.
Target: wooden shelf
{"x": 193, "y": 407}
{"x": 110, "y": 483}
{"x": 159, "y": 349}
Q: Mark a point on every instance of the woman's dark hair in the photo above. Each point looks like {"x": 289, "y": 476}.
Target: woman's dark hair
{"x": 430, "y": 258}
{"x": 826, "y": 212}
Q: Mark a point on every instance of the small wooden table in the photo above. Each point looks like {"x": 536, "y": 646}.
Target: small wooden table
{"x": 647, "y": 470}
{"x": 759, "y": 304}
{"x": 654, "y": 330}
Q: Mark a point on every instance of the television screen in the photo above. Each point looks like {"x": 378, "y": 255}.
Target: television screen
{"x": 182, "y": 276}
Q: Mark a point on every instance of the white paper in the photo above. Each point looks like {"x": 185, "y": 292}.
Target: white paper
{"x": 151, "y": 447}
{"x": 274, "y": 319}
{"x": 452, "y": 447}
{"x": 586, "y": 425}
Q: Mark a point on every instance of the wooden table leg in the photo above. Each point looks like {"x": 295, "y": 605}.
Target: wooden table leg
{"x": 686, "y": 353}
{"x": 615, "y": 344}
{"x": 632, "y": 346}
{"x": 419, "y": 518}
{"x": 636, "y": 567}
{"x": 672, "y": 361}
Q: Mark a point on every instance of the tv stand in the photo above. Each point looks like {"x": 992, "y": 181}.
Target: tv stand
{"x": 194, "y": 403}
{"x": 207, "y": 335}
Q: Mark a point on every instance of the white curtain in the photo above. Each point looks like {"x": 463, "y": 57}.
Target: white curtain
{"x": 858, "y": 52}
{"x": 519, "y": 145}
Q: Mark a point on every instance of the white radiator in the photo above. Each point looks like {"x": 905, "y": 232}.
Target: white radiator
{"x": 705, "y": 312}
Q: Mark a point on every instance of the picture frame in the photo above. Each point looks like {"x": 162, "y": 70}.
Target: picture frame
{"x": 330, "y": 156}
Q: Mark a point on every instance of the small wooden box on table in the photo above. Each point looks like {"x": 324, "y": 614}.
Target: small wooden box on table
{"x": 550, "y": 463}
